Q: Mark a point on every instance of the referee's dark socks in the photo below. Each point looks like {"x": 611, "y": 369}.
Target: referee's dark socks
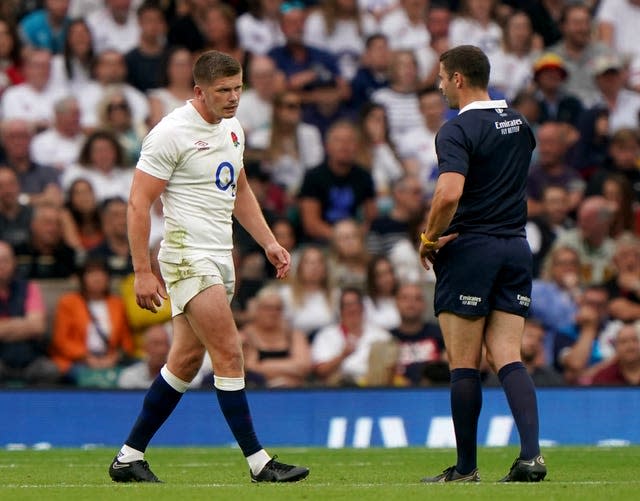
{"x": 521, "y": 395}
{"x": 159, "y": 402}
{"x": 466, "y": 402}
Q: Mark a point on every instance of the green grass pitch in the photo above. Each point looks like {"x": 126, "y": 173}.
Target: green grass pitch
{"x": 575, "y": 473}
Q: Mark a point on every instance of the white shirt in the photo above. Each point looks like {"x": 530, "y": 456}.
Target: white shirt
{"x": 383, "y": 313}
{"x": 258, "y": 36}
{"x": 420, "y": 144}
{"x": 346, "y": 43}
{"x": 401, "y": 33}
{"x": 254, "y": 113}
{"x": 201, "y": 162}
{"x": 465, "y": 30}
{"x": 625, "y": 19}
{"x": 25, "y": 102}
{"x": 107, "y": 34}
{"x": 625, "y": 112}
{"x": 315, "y": 311}
{"x": 52, "y": 148}
{"x": 116, "y": 183}
{"x": 94, "y": 92}
{"x": 403, "y": 110}
{"x": 330, "y": 342}
{"x": 60, "y": 79}
{"x": 510, "y": 73}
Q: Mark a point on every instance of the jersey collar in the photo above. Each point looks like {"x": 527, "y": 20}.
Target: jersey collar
{"x": 484, "y": 105}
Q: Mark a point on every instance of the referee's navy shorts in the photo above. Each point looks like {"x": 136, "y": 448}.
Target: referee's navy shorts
{"x": 477, "y": 274}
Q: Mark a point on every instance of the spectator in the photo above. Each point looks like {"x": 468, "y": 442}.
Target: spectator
{"x": 348, "y": 257}
{"x": 15, "y": 218}
{"x": 114, "y": 27}
{"x": 155, "y": 347}
{"x": 259, "y": 28}
{"x": 617, "y": 24}
{"x": 533, "y": 358}
{"x": 71, "y": 70}
{"x": 256, "y": 106}
{"x": 380, "y": 302}
{"x": 377, "y": 153}
{"x": 34, "y": 99}
{"x": 421, "y": 354}
{"x": 623, "y": 158}
{"x": 555, "y": 104}
{"x": 59, "y": 146}
{"x": 90, "y": 333}
{"x": 512, "y": 62}
{"x": 114, "y": 249}
{"x": 551, "y": 168}
{"x": 372, "y": 72}
{"x": 309, "y": 297}
{"x": 275, "y": 354}
{"x": 115, "y": 116}
{"x": 545, "y": 18}
{"x": 110, "y": 71}
{"x": 555, "y": 295}
{"x": 624, "y": 369}
{"x": 340, "y": 27}
{"x": 81, "y": 217}
{"x": 617, "y": 190}
{"x": 418, "y": 146}
{"x": 624, "y": 288}
{"x": 11, "y": 70}
{"x": 340, "y": 352}
{"x": 476, "y": 25}
{"x": 407, "y": 208}
{"x": 38, "y": 183}
{"x": 578, "y": 349}
{"x": 591, "y": 239}
{"x": 337, "y": 189}
{"x": 623, "y": 104}
{"x": 45, "y": 255}
{"x": 312, "y": 72}
{"x": 406, "y": 29}
{"x": 46, "y": 28}
{"x": 186, "y": 30}
{"x": 219, "y": 30}
{"x": 400, "y": 99}
{"x": 553, "y": 220}
{"x": 290, "y": 147}
{"x": 144, "y": 62}
{"x": 22, "y": 327}
{"x": 176, "y": 85}
{"x": 101, "y": 162}
{"x": 438, "y": 24}
{"x": 579, "y": 51}
{"x": 590, "y": 150}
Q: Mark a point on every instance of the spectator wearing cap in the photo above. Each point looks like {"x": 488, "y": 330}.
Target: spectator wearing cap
{"x": 549, "y": 75}
{"x": 623, "y": 104}
{"x": 578, "y": 50}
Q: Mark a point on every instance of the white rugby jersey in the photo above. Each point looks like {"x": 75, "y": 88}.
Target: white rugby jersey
{"x": 201, "y": 162}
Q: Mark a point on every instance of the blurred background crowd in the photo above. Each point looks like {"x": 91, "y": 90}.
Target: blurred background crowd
{"x": 340, "y": 113}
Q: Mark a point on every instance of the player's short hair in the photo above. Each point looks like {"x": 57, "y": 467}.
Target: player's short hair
{"x": 212, "y": 65}
{"x": 470, "y": 61}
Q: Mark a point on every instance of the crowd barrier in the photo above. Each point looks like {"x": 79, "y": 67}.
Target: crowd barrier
{"x": 325, "y": 418}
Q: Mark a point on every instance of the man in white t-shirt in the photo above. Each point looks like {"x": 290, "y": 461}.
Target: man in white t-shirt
{"x": 193, "y": 160}
{"x": 114, "y": 27}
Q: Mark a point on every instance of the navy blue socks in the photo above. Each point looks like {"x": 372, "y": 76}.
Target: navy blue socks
{"x": 235, "y": 408}
{"x": 466, "y": 402}
{"x": 521, "y": 395}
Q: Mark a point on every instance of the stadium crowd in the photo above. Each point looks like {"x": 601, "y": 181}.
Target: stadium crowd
{"x": 340, "y": 112}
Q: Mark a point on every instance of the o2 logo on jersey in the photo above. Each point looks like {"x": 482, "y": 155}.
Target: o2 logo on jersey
{"x": 225, "y": 178}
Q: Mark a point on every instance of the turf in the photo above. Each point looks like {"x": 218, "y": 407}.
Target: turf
{"x": 359, "y": 474}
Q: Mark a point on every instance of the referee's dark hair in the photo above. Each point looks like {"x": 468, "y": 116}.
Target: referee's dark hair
{"x": 470, "y": 62}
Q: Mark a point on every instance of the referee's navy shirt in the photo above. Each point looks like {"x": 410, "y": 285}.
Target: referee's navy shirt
{"x": 490, "y": 145}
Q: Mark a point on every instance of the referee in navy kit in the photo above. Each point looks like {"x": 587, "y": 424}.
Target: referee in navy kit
{"x": 475, "y": 239}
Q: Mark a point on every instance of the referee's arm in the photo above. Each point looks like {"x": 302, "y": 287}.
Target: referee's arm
{"x": 444, "y": 204}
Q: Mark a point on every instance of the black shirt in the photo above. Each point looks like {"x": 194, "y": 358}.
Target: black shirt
{"x": 491, "y": 146}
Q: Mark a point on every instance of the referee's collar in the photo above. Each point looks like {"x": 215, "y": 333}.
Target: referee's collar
{"x": 484, "y": 105}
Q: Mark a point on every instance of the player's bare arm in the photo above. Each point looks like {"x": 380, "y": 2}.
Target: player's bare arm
{"x": 145, "y": 190}
{"x": 443, "y": 207}
{"x": 248, "y": 213}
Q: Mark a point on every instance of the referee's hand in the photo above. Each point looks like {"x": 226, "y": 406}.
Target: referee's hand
{"x": 428, "y": 252}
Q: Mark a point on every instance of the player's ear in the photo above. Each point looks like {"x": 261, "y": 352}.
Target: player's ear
{"x": 198, "y": 93}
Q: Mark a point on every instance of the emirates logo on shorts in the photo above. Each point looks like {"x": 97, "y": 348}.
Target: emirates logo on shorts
{"x": 202, "y": 145}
